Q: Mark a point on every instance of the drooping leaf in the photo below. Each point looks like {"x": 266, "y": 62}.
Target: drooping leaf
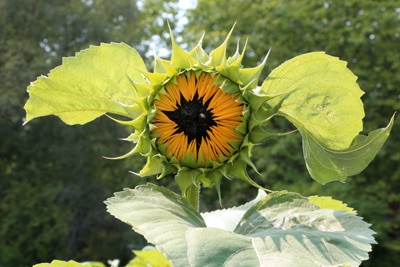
{"x": 160, "y": 215}
{"x": 326, "y": 165}
{"x": 317, "y": 93}
{"x": 280, "y": 229}
{"x": 320, "y": 96}
{"x": 101, "y": 79}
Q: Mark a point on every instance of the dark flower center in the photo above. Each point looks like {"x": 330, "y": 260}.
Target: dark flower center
{"x": 193, "y": 118}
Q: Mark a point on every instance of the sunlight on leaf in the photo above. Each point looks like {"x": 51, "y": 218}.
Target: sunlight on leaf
{"x": 316, "y": 92}
{"x": 320, "y": 96}
{"x": 96, "y": 81}
{"x": 330, "y": 203}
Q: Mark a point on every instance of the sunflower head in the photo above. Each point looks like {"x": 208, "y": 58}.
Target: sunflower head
{"x": 198, "y": 115}
{"x": 196, "y": 124}
{"x": 198, "y": 121}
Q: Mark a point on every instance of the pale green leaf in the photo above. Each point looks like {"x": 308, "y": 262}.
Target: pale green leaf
{"x": 317, "y": 93}
{"x": 281, "y": 229}
{"x": 216, "y": 247}
{"x": 101, "y": 79}
{"x": 326, "y": 165}
{"x": 160, "y": 215}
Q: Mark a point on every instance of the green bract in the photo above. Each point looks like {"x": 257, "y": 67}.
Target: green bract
{"x": 315, "y": 91}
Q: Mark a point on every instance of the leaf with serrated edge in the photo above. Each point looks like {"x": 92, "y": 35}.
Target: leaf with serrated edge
{"x": 101, "y": 79}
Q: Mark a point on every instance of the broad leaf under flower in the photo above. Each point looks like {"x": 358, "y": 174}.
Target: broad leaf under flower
{"x": 280, "y": 229}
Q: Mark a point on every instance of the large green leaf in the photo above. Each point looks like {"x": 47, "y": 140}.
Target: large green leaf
{"x": 280, "y": 229}
{"x": 316, "y": 92}
{"x": 98, "y": 80}
{"x": 320, "y": 96}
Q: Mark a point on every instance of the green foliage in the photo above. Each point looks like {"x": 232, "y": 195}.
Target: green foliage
{"x": 280, "y": 229}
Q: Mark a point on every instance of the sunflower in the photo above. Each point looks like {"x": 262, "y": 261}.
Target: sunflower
{"x": 199, "y": 125}
{"x": 194, "y": 116}
{"x": 198, "y": 115}
{"x": 196, "y": 121}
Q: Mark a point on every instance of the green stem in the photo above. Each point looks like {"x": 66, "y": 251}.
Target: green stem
{"x": 193, "y": 195}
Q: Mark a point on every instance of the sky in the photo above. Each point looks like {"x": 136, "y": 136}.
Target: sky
{"x": 155, "y": 46}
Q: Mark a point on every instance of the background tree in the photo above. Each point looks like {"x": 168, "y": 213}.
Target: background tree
{"x": 364, "y": 33}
